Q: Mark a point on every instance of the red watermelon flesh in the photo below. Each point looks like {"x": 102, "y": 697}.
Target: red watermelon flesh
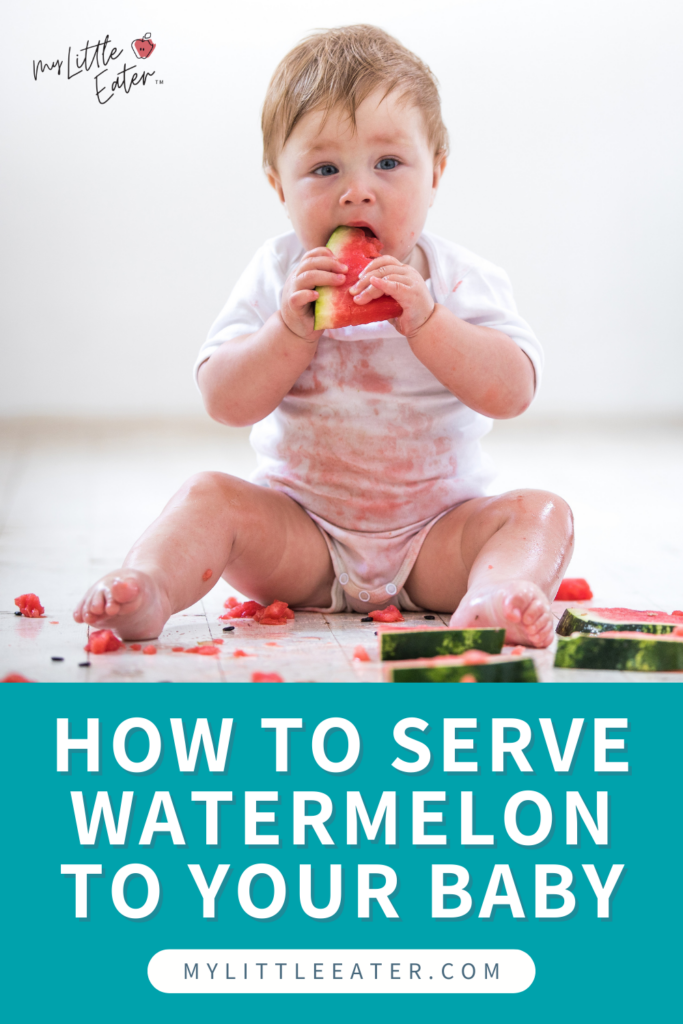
{"x": 574, "y": 589}
{"x": 335, "y": 307}
{"x": 624, "y": 634}
{"x": 631, "y": 615}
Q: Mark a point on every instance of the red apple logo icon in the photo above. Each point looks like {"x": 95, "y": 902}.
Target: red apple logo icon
{"x": 144, "y": 48}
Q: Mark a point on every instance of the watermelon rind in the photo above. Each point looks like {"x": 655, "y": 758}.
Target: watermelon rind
{"x": 500, "y": 669}
{"x": 408, "y": 644}
{"x": 626, "y": 654}
{"x": 584, "y": 620}
{"x": 325, "y": 301}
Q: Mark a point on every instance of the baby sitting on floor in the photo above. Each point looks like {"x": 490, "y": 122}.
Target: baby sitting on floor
{"x": 370, "y": 487}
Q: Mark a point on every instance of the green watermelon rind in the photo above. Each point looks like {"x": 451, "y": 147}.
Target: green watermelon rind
{"x": 625, "y": 654}
{"x": 502, "y": 670}
{"x": 578, "y": 620}
{"x": 408, "y": 644}
{"x": 324, "y": 306}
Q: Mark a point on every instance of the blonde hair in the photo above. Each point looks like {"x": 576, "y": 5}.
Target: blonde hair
{"x": 342, "y": 66}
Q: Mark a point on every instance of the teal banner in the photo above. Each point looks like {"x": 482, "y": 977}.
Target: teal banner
{"x": 258, "y": 852}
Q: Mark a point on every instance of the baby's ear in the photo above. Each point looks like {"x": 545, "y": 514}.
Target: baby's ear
{"x": 440, "y": 161}
{"x": 275, "y": 182}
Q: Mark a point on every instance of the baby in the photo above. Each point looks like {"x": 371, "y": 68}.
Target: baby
{"x": 370, "y": 487}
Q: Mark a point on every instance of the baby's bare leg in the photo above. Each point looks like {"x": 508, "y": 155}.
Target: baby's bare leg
{"x": 217, "y": 525}
{"x": 498, "y": 561}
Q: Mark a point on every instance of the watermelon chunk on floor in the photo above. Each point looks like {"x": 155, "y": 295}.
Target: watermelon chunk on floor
{"x": 102, "y": 641}
{"x": 240, "y": 609}
{"x": 357, "y": 248}
{"x": 574, "y": 589}
{"x": 602, "y": 620}
{"x": 389, "y": 614}
{"x": 276, "y": 614}
{"x": 29, "y": 605}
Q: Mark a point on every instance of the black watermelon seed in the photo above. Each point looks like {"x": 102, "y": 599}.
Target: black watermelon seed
{"x": 17, "y": 613}
{"x": 368, "y": 618}
{"x": 228, "y": 629}
{"x": 56, "y": 658}
{"x": 375, "y": 632}
{"x": 84, "y": 664}
{"x": 430, "y": 616}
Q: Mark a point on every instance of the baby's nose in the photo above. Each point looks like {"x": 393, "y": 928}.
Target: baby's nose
{"x": 357, "y": 194}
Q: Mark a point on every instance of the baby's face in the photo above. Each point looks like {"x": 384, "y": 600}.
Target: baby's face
{"x": 382, "y": 175}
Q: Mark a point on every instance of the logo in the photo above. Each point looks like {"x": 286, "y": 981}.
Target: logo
{"x": 99, "y": 62}
{"x": 144, "y": 48}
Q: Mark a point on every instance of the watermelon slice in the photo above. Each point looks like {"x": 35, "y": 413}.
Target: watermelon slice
{"x": 496, "y": 668}
{"x": 625, "y": 651}
{"x": 357, "y": 248}
{"x": 601, "y": 620}
{"x": 401, "y": 644}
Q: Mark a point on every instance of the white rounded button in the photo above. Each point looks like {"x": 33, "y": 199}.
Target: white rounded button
{"x": 364, "y": 596}
{"x": 344, "y": 578}
{"x": 390, "y": 588}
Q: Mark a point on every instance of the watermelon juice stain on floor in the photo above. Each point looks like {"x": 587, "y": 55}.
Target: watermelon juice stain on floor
{"x": 74, "y": 495}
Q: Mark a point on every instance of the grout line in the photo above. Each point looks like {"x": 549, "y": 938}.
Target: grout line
{"x": 210, "y": 632}
{"x": 336, "y": 640}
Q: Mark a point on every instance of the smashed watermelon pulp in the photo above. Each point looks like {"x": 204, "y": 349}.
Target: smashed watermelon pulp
{"x": 101, "y": 641}
{"x": 335, "y": 306}
{"x": 276, "y": 614}
{"x": 29, "y": 605}
{"x": 240, "y": 609}
{"x": 389, "y": 614}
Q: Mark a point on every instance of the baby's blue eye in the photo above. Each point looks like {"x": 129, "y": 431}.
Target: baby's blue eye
{"x": 326, "y": 170}
{"x": 388, "y": 163}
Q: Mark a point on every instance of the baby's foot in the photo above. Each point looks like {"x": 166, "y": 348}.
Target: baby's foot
{"x": 129, "y": 601}
{"x": 519, "y": 605}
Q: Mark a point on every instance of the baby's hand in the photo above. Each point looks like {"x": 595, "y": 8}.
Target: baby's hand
{"x": 386, "y": 276}
{"x": 318, "y": 267}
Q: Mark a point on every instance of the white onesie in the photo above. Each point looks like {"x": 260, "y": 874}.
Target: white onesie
{"x": 368, "y": 441}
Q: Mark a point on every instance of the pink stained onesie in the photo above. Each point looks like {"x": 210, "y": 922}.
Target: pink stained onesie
{"x": 368, "y": 441}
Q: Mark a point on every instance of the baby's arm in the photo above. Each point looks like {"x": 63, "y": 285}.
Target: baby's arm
{"x": 481, "y": 366}
{"x": 248, "y": 377}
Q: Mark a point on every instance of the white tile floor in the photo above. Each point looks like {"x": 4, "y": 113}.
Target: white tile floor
{"x": 74, "y": 495}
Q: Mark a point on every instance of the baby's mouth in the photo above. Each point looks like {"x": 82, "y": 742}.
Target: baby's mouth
{"x": 366, "y": 228}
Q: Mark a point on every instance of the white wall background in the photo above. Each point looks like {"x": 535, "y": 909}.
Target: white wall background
{"x": 124, "y": 226}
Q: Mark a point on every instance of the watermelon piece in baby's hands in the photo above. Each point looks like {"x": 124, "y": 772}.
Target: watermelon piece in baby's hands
{"x": 29, "y": 605}
{"x": 357, "y": 248}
